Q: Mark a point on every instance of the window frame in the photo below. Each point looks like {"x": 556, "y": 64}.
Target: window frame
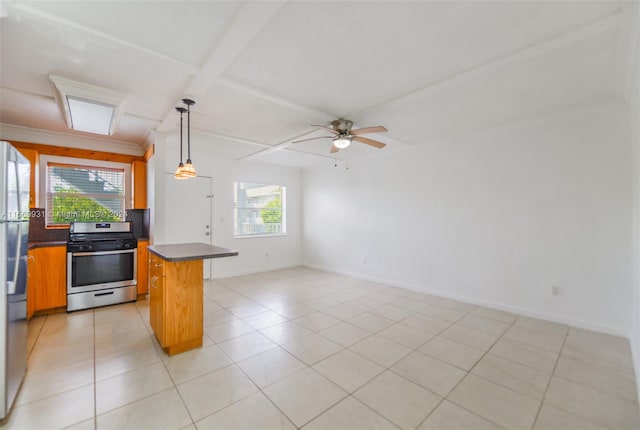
{"x": 284, "y": 210}
{"x": 45, "y": 160}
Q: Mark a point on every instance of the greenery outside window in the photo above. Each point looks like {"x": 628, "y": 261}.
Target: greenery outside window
{"x": 83, "y": 193}
{"x": 259, "y": 209}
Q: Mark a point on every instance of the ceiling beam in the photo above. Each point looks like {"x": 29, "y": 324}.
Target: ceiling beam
{"x": 263, "y": 95}
{"x": 20, "y": 10}
{"x": 247, "y": 23}
{"x": 569, "y": 38}
{"x": 281, "y": 145}
{"x": 233, "y": 139}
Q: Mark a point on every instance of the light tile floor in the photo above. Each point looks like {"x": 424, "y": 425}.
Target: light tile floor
{"x": 301, "y": 348}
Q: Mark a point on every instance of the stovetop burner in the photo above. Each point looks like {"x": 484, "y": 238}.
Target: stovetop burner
{"x": 101, "y": 236}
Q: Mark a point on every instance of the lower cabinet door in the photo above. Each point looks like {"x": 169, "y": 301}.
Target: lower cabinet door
{"x": 156, "y": 298}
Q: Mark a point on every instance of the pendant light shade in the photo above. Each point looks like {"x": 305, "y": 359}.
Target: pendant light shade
{"x": 185, "y": 171}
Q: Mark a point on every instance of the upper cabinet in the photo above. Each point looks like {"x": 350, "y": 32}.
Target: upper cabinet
{"x": 139, "y": 172}
{"x": 32, "y": 152}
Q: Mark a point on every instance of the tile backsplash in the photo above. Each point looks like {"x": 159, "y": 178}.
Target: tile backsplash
{"x": 39, "y": 233}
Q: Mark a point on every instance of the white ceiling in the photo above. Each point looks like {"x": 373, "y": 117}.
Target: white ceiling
{"x": 263, "y": 72}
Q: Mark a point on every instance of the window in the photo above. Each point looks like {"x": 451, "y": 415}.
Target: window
{"x": 259, "y": 209}
{"x": 83, "y": 193}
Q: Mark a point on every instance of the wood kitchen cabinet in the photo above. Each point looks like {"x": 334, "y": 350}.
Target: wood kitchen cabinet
{"x": 143, "y": 267}
{"x": 34, "y": 158}
{"x": 47, "y": 277}
{"x": 175, "y": 303}
{"x": 139, "y": 171}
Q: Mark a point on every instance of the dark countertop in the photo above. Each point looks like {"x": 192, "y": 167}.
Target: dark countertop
{"x": 46, "y": 243}
{"x": 190, "y": 251}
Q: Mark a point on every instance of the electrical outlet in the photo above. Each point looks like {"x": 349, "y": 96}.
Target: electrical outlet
{"x": 266, "y": 255}
{"x": 364, "y": 260}
{"x": 555, "y": 290}
{"x": 221, "y": 220}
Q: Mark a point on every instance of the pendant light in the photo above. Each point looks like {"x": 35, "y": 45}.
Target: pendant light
{"x": 179, "y": 174}
{"x": 189, "y": 171}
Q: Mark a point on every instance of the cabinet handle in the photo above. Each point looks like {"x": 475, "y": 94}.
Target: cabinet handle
{"x": 31, "y": 257}
{"x": 153, "y": 282}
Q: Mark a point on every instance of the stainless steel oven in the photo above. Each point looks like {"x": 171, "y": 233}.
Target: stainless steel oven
{"x": 101, "y": 265}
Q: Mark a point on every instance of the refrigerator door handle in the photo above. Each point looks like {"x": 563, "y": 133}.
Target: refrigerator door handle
{"x": 11, "y": 285}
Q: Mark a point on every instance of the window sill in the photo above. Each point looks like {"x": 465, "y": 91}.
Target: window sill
{"x": 254, "y": 236}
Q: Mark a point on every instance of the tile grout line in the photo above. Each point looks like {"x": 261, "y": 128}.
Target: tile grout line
{"x": 308, "y": 366}
{"x": 355, "y": 352}
{"x": 37, "y": 336}
{"x": 515, "y": 322}
{"x": 235, "y": 363}
{"x": 446, "y": 397}
{"x": 553, "y": 371}
{"x": 311, "y": 366}
{"x": 393, "y": 321}
{"x": 164, "y": 365}
{"x": 388, "y": 368}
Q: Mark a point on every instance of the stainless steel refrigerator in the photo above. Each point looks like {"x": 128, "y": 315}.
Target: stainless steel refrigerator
{"x": 14, "y": 232}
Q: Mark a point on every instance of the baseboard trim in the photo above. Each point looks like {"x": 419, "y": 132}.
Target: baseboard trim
{"x": 587, "y": 325}
{"x": 254, "y": 271}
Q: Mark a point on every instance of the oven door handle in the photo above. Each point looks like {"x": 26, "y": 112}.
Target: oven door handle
{"x": 120, "y": 251}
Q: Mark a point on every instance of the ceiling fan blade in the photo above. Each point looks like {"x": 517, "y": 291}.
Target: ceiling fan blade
{"x": 313, "y": 138}
{"x": 334, "y": 149}
{"x": 326, "y": 128}
{"x": 376, "y": 129}
{"x": 367, "y": 141}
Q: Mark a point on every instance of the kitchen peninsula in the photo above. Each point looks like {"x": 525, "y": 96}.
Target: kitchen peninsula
{"x": 176, "y": 293}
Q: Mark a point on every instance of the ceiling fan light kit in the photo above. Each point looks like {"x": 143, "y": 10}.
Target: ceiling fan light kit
{"x": 341, "y": 142}
{"x": 185, "y": 171}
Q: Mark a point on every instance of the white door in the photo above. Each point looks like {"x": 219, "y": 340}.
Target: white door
{"x": 189, "y": 208}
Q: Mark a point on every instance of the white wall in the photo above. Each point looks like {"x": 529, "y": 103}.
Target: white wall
{"x": 634, "y": 120}
{"x": 496, "y": 217}
{"x": 635, "y": 139}
{"x": 283, "y": 251}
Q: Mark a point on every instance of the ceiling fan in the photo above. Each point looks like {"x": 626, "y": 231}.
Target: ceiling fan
{"x": 343, "y": 135}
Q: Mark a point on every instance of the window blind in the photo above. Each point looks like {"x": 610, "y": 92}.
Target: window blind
{"x": 84, "y": 193}
{"x": 259, "y": 209}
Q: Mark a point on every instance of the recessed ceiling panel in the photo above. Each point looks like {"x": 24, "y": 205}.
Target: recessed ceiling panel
{"x": 185, "y": 31}
{"x": 32, "y": 51}
{"x": 232, "y": 112}
{"x": 345, "y": 57}
{"x": 220, "y": 146}
{"x": 581, "y": 73}
{"x": 291, "y": 158}
{"x": 31, "y": 110}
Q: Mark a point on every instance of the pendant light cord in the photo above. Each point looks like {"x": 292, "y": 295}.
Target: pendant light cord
{"x": 188, "y": 133}
{"x": 181, "y": 113}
